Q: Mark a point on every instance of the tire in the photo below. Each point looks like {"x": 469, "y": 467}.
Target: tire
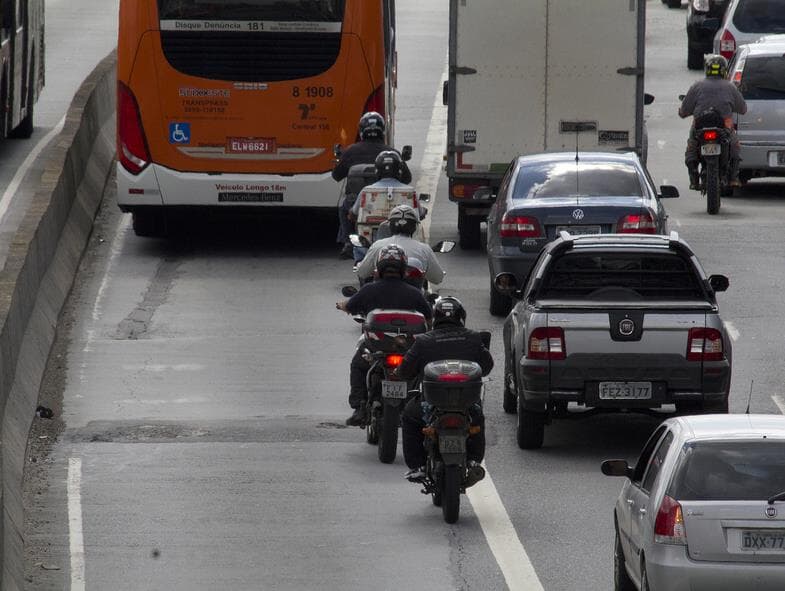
{"x": 468, "y": 230}
{"x": 621, "y": 579}
{"x": 24, "y": 130}
{"x": 372, "y": 432}
{"x": 500, "y": 304}
{"x": 451, "y": 493}
{"x": 510, "y": 392}
{"x": 388, "y": 434}
{"x": 694, "y": 58}
{"x": 674, "y": 3}
{"x": 531, "y": 428}
{"x": 149, "y": 224}
{"x": 712, "y": 186}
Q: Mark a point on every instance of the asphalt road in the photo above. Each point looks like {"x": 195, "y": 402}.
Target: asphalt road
{"x": 201, "y": 383}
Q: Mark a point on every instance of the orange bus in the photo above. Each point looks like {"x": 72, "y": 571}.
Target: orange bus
{"x": 237, "y": 103}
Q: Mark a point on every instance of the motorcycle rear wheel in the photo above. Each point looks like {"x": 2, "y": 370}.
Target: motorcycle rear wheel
{"x": 451, "y": 493}
{"x": 372, "y": 431}
{"x": 388, "y": 435}
{"x": 712, "y": 186}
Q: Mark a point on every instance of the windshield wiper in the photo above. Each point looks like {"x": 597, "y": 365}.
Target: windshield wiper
{"x": 777, "y": 497}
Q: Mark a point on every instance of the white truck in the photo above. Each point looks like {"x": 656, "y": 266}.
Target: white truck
{"x": 531, "y": 76}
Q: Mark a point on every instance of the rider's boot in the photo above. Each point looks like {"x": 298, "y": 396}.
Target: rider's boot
{"x": 695, "y": 179}
{"x": 733, "y": 173}
{"x": 358, "y": 418}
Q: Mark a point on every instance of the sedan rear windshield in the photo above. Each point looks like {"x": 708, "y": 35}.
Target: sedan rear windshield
{"x": 567, "y": 179}
{"x": 760, "y": 16}
{"x": 622, "y": 276}
{"x": 257, "y": 10}
{"x": 763, "y": 78}
{"x": 730, "y": 471}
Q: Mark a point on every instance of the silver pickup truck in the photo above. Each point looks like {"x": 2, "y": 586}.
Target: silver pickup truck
{"x": 613, "y": 322}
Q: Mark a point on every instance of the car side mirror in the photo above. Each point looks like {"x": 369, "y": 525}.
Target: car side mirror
{"x": 719, "y": 282}
{"x": 483, "y": 194}
{"x": 668, "y": 192}
{"x": 424, "y": 197}
{"x": 443, "y": 246}
{"x": 506, "y": 283}
{"x": 406, "y": 153}
{"x": 616, "y": 468}
{"x": 711, "y": 24}
{"x": 648, "y": 98}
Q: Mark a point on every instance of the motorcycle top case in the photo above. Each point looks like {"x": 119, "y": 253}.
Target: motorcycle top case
{"x": 392, "y": 330}
{"x": 359, "y": 177}
{"x": 452, "y": 384}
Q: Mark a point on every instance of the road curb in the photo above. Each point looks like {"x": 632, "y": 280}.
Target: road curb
{"x": 40, "y": 268}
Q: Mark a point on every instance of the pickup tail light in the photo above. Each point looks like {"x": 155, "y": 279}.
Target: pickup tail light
{"x": 519, "y": 226}
{"x": 705, "y": 344}
{"x": 710, "y": 135}
{"x": 637, "y": 223}
{"x": 547, "y": 344}
{"x": 132, "y": 148}
{"x": 669, "y": 524}
{"x": 727, "y": 44}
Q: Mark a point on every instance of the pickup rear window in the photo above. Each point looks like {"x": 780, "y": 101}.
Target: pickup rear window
{"x": 621, "y": 276}
{"x": 730, "y": 471}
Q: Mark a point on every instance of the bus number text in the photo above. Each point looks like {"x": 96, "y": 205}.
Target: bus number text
{"x": 313, "y": 91}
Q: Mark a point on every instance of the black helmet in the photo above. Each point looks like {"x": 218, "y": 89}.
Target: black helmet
{"x": 403, "y": 220}
{"x": 716, "y": 66}
{"x": 371, "y": 126}
{"x": 449, "y": 310}
{"x": 391, "y": 258}
{"x": 389, "y": 165}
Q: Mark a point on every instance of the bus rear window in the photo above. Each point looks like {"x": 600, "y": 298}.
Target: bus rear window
{"x": 256, "y": 10}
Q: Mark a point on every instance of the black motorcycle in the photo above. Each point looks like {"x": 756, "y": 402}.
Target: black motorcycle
{"x": 714, "y": 148}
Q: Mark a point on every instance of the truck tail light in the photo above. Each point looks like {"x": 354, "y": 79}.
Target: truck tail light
{"x": 669, "y": 524}
{"x": 132, "y": 148}
{"x": 704, "y": 344}
{"x": 727, "y": 44}
{"x": 547, "y": 343}
{"x": 637, "y": 223}
{"x": 519, "y": 226}
{"x": 465, "y": 190}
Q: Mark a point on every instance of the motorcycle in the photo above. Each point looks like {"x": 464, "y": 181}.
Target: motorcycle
{"x": 451, "y": 388}
{"x": 388, "y": 334}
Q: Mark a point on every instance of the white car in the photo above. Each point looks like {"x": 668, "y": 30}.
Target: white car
{"x": 703, "y": 509}
{"x": 747, "y": 21}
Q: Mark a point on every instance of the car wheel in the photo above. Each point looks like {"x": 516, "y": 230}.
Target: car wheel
{"x": 694, "y": 58}
{"x": 500, "y": 304}
{"x": 644, "y": 577}
{"x": 621, "y": 579}
{"x": 674, "y": 3}
{"x": 510, "y": 396}
{"x": 531, "y": 428}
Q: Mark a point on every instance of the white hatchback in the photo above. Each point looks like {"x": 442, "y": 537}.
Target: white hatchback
{"x": 704, "y": 507}
{"x": 747, "y": 21}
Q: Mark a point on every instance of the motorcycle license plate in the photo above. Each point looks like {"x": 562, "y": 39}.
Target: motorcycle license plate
{"x": 711, "y": 150}
{"x": 391, "y": 389}
{"x": 452, "y": 444}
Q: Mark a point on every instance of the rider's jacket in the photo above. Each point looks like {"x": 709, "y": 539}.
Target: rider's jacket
{"x": 414, "y": 249}
{"x": 448, "y": 341}
{"x": 389, "y": 294}
{"x": 364, "y": 152}
{"x": 716, "y": 93}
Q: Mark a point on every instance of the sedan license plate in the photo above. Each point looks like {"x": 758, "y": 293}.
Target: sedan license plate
{"x": 711, "y": 150}
{"x": 579, "y": 230}
{"x": 625, "y": 390}
{"x": 391, "y": 389}
{"x": 452, "y": 444}
{"x": 752, "y": 540}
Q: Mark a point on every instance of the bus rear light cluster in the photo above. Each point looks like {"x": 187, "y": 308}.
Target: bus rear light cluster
{"x": 132, "y": 148}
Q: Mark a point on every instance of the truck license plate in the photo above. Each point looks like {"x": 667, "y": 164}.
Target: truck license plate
{"x": 391, "y": 389}
{"x": 452, "y": 444}
{"x": 763, "y": 540}
{"x": 711, "y": 150}
{"x": 625, "y": 390}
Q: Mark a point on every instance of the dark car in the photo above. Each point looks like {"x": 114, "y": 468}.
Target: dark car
{"x": 542, "y": 194}
{"x": 703, "y": 21}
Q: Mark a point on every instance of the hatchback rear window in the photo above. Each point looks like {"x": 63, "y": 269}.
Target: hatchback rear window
{"x": 730, "y": 471}
{"x": 566, "y": 179}
{"x": 760, "y": 16}
{"x": 622, "y": 276}
{"x": 763, "y": 78}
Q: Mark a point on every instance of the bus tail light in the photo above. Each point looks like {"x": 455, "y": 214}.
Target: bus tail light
{"x": 547, "y": 344}
{"x": 704, "y": 344}
{"x": 132, "y": 148}
{"x": 637, "y": 223}
{"x": 375, "y": 102}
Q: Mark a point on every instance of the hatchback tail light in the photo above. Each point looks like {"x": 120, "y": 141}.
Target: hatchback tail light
{"x": 547, "y": 343}
{"x": 131, "y": 142}
{"x": 727, "y": 44}
{"x": 669, "y": 524}
{"x": 519, "y": 226}
{"x": 710, "y": 135}
{"x": 637, "y": 223}
{"x": 705, "y": 344}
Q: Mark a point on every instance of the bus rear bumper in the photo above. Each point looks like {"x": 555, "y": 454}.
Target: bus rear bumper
{"x": 160, "y": 186}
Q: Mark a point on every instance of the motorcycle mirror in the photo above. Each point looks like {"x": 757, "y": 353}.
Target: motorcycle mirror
{"x": 359, "y": 318}
{"x": 648, "y": 98}
{"x": 348, "y": 291}
{"x": 668, "y": 192}
{"x": 443, "y": 246}
{"x": 406, "y": 153}
{"x": 424, "y": 197}
{"x": 719, "y": 282}
{"x": 337, "y": 150}
{"x": 681, "y": 97}
{"x": 432, "y": 297}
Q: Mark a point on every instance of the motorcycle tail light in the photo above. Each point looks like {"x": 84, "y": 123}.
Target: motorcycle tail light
{"x": 452, "y": 422}
{"x": 453, "y": 377}
{"x": 710, "y": 135}
{"x": 393, "y": 360}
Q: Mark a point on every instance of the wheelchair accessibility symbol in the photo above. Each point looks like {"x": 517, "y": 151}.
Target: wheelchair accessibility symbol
{"x": 179, "y": 133}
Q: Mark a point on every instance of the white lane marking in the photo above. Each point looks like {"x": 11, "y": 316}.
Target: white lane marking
{"x": 5, "y": 200}
{"x": 433, "y": 155}
{"x": 779, "y": 401}
{"x": 732, "y": 331}
{"x": 502, "y": 538}
{"x": 661, "y": 144}
{"x": 161, "y": 367}
{"x": 75, "y": 534}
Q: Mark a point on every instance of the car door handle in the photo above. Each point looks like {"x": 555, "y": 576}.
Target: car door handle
{"x": 630, "y": 502}
{"x": 642, "y": 510}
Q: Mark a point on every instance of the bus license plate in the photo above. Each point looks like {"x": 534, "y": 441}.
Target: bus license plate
{"x": 752, "y": 540}
{"x": 452, "y": 444}
{"x": 711, "y": 150}
{"x": 625, "y": 390}
{"x": 391, "y": 389}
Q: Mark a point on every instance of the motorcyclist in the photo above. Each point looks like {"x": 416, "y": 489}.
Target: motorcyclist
{"x": 390, "y": 292}
{"x": 403, "y": 220}
{"x": 714, "y": 92}
{"x": 371, "y": 144}
{"x": 449, "y": 339}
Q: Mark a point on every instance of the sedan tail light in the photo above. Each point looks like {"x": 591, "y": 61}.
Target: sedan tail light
{"x": 132, "y": 148}
{"x": 637, "y": 223}
{"x": 519, "y": 226}
{"x": 727, "y": 44}
{"x": 669, "y": 524}
{"x": 705, "y": 344}
{"x": 547, "y": 343}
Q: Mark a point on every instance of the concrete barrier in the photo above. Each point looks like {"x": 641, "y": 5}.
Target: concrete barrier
{"x": 40, "y": 268}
